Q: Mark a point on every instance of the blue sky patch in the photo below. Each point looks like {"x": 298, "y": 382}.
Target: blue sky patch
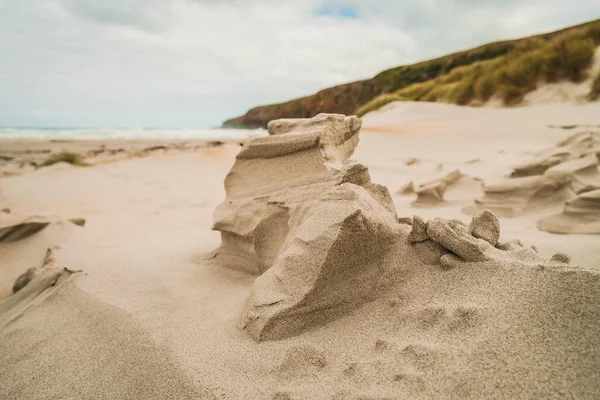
{"x": 337, "y": 10}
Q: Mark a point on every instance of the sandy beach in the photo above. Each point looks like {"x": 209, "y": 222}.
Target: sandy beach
{"x": 157, "y": 312}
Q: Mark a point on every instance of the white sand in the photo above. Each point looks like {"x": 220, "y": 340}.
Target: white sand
{"x": 153, "y": 318}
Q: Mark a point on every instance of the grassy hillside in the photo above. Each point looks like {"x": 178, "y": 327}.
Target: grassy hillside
{"x": 508, "y": 69}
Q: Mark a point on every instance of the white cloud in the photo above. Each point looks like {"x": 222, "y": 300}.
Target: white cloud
{"x": 195, "y": 63}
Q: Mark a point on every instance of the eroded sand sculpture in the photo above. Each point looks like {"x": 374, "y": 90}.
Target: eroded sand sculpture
{"x": 441, "y": 188}
{"x": 555, "y": 176}
{"x": 296, "y": 212}
{"x": 322, "y": 238}
{"x": 14, "y": 227}
{"x": 580, "y": 215}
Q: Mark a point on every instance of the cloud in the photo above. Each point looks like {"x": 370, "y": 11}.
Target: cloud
{"x": 196, "y": 62}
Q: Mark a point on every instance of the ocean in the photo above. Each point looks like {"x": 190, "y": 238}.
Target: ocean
{"x": 128, "y": 133}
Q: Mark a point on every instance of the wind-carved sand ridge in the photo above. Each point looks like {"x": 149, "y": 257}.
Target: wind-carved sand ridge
{"x": 441, "y": 189}
{"x": 555, "y": 178}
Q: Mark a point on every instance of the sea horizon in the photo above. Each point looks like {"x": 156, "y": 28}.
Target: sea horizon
{"x": 126, "y": 133}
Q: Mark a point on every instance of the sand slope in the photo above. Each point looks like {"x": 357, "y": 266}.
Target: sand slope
{"x": 155, "y": 317}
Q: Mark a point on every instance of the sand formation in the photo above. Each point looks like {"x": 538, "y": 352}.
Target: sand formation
{"x": 319, "y": 238}
{"x": 309, "y": 220}
{"x": 13, "y": 227}
{"x": 580, "y": 215}
{"x": 440, "y": 189}
{"x": 554, "y": 177}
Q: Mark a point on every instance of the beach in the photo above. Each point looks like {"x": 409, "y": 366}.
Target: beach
{"x": 155, "y": 314}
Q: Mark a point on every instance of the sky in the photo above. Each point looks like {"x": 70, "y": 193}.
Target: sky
{"x": 195, "y": 63}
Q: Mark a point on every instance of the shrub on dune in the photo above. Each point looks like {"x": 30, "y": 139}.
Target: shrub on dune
{"x": 67, "y": 157}
{"x": 568, "y": 59}
{"x": 595, "y": 89}
{"x": 485, "y": 86}
{"x": 464, "y": 92}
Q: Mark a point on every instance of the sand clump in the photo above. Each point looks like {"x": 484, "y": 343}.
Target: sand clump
{"x": 450, "y": 242}
{"x": 486, "y": 226}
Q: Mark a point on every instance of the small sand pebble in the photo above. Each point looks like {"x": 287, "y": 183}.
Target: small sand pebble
{"x": 419, "y": 230}
{"x": 561, "y": 257}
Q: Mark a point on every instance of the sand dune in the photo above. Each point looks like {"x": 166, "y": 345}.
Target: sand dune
{"x": 347, "y": 300}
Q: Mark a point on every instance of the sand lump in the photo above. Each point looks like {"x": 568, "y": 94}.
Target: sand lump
{"x": 486, "y": 226}
{"x": 449, "y": 242}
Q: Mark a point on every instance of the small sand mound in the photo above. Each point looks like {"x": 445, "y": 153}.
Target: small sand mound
{"x": 580, "y": 215}
{"x": 300, "y": 361}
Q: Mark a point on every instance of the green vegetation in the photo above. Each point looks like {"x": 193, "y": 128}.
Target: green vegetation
{"x": 595, "y": 90}
{"x": 377, "y": 103}
{"x": 510, "y": 75}
{"x": 68, "y": 157}
{"x": 505, "y": 70}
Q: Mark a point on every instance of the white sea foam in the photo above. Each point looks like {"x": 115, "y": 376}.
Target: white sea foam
{"x": 128, "y": 133}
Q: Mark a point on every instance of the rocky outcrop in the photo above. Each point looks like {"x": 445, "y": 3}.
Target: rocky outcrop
{"x": 308, "y": 220}
{"x": 580, "y": 215}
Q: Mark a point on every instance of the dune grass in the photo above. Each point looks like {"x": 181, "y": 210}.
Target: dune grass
{"x": 511, "y": 75}
{"x": 377, "y": 103}
{"x": 67, "y": 157}
{"x": 595, "y": 89}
